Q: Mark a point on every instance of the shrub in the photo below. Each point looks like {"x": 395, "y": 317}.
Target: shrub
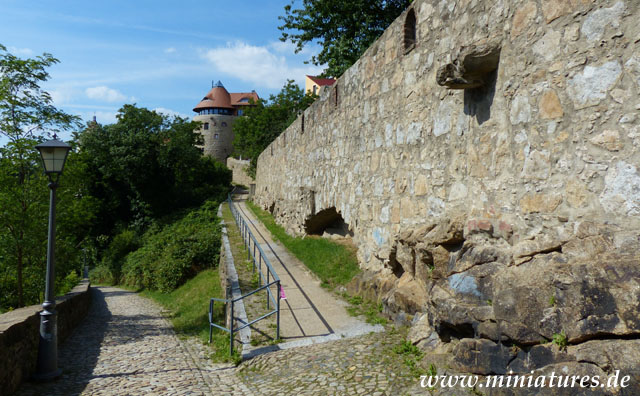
{"x": 101, "y": 275}
{"x": 172, "y": 255}
{"x": 114, "y": 256}
{"x": 69, "y": 282}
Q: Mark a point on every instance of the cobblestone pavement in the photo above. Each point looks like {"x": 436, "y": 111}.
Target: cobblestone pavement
{"x": 126, "y": 347}
{"x": 364, "y": 365}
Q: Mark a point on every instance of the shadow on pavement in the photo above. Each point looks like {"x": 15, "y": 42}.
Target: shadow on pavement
{"x": 78, "y": 356}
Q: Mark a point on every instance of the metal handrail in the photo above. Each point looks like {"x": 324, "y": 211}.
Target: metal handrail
{"x": 248, "y": 237}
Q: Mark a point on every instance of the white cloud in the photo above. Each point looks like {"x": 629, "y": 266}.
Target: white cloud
{"x": 60, "y": 96}
{"x": 258, "y": 65}
{"x": 289, "y": 48}
{"x": 169, "y": 50}
{"x": 170, "y": 112}
{"x": 105, "y": 93}
{"x": 283, "y": 47}
{"x": 20, "y": 51}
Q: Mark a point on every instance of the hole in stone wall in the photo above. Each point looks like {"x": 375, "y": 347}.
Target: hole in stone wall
{"x": 394, "y": 265}
{"x": 272, "y": 208}
{"x": 478, "y": 101}
{"x": 302, "y": 124}
{"x": 327, "y": 221}
{"x": 335, "y": 96}
{"x": 410, "y": 31}
{"x": 449, "y": 331}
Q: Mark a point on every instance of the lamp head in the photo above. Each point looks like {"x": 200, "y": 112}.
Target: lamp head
{"x": 54, "y": 154}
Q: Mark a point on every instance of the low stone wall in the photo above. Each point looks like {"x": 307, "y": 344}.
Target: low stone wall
{"x": 19, "y": 337}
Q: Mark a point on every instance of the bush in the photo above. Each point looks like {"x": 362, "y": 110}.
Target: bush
{"x": 101, "y": 275}
{"x": 122, "y": 244}
{"x": 180, "y": 250}
{"x": 69, "y": 282}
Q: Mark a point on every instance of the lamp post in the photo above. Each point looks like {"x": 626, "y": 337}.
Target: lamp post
{"x": 54, "y": 154}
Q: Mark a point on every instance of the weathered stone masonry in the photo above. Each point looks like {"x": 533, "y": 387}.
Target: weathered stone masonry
{"x": 503, "y": 204}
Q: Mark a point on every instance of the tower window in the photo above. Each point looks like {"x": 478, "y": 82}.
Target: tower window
{"x": 224, "y": 124}
{"x": 410, "y": 31}
{"x": 206, "y": 125}
{"x": 215, "y": 136}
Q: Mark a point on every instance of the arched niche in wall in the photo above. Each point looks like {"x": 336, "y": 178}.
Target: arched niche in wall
{"x": 410, "y": 31}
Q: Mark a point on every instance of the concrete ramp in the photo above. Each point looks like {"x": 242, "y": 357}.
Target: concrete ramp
{"x": 309, "y": 314}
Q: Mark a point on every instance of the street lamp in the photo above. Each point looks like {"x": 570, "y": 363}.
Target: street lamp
{"x": 54, "y": 154}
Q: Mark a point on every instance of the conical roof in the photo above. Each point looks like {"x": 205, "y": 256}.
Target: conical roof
{"x": 218, "y": 97}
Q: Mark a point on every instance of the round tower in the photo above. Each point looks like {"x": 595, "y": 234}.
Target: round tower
{"x": 216, "y": 114}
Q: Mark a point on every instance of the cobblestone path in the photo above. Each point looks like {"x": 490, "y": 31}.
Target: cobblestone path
{"x": 363, "y": 365}
{"x": 126, "y": 347}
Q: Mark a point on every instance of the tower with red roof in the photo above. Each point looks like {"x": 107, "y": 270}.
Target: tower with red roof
{"x": 216, "y": 113}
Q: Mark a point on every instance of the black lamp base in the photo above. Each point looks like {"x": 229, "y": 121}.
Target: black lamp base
{"x": 46, "y": 377}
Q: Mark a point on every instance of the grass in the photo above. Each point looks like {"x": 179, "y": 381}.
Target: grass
{"x": 189, "y": 305}
{"x": 248, "y": 279}
{"x": 560, "y": 339}
{"x": 369, "y": 309}
{"x": 411, "y": 355}
{"x": 335, "y": 264}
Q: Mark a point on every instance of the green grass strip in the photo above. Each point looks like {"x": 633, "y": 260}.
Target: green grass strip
{"x": 189, "y": 306}
{"x": 335, "y": 264}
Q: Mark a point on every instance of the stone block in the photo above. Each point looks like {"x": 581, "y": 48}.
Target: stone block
{"x": 540, "y": 203}
{"x": 549, "y": 106}
{"x": 523, "y": 17}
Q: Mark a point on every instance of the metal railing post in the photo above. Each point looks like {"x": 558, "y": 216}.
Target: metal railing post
{"x": 210, "y": 320}
{"x": 268, "y": 288}
{"x": 278, "y": 312}
{"x": 231, "y": 332}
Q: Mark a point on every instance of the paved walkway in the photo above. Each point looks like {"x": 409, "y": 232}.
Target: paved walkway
{"x": 126, "y": 347}
{"x": 310, "y": 314}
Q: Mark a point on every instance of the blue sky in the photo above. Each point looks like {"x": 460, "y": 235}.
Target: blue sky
{"x": 159, "y": 54}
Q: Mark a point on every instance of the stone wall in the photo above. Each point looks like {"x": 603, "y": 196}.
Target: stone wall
{"x": 489, "y": 172}
{"x": 19, "y": 335}
{"x": 238, "y": 168}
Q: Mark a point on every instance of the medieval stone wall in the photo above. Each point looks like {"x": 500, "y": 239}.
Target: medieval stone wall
{"x": 507, "y": 210}
{"x": 552, "y": 142}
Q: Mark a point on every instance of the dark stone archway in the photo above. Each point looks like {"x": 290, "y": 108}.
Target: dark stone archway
{"x": 327, "y": 220}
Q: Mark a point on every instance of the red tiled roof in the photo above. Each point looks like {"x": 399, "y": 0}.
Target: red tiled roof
{"x": 217, "y": 97}
{"x": 322, "y": 81}
{"x": 237, "y": 97}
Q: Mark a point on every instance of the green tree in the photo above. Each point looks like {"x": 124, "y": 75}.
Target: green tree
{"x": 264, "y": 122}
{"x": 145, "y": 166}
{"x": 344, "y": 29}
{"x": 26, "y": 113}
{"x": 25, "y": 109}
